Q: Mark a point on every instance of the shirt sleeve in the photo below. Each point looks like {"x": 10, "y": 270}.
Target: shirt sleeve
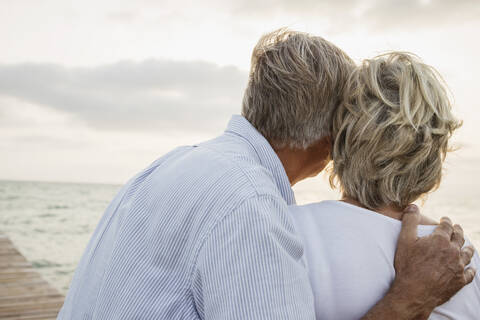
{"x": 251, "y": 266}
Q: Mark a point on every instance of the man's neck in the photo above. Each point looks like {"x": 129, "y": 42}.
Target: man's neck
{"x": 300, "y": 164}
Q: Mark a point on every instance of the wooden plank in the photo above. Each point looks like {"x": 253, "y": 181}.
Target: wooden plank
{"x": 42, "y": 288}
{"x": 12, "y": 258}
{"x": 14, "y": 277}
{"x": 10, "y": 270}
{"x": 9, "y": 264}
{"x": 23, "y": 307}
{"x": 23, "y": 282}
{"x": 33, "y": 314}
{"x": 24, "y": 294}
{"x": 28, "y": 298}
{"x": 8, "y": 250}
{"x": 46, "y": 315}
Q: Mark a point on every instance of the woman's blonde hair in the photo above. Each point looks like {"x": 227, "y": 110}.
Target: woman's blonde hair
{"x": 391, "y": 131}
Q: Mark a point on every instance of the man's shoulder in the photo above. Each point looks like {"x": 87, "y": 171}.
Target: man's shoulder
{"x": 225, "y": 168}
{"x": 203, "y": 176}
{"x": 208, "y": 185}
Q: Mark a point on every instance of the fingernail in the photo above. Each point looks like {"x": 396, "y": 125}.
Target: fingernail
{"x": 411, "y": 208}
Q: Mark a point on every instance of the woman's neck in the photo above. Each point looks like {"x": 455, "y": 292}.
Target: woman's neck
{"x": 389, "y": 211}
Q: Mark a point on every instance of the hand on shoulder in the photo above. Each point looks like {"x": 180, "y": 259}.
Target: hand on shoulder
{"x": 431, "y": 269}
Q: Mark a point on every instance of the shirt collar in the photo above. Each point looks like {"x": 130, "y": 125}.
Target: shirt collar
{"x": 266, "y": 155}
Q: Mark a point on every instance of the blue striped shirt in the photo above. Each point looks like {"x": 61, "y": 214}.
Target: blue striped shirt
{"x": 202, "y": 233}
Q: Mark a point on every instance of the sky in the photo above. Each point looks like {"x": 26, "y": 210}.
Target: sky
{"x": 94, "y": 91}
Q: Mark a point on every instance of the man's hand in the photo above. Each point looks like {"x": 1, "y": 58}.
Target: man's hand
{"x": 429, "y": 270}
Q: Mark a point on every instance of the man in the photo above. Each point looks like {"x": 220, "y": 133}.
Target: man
{"x": 205, "y": 232}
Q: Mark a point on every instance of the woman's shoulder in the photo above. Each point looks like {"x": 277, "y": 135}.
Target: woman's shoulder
{"x": 322, "y": 210}
{"x": 427, "y": 221}
{"x": 337, "y": 216}
{"x": 309, "y": 207}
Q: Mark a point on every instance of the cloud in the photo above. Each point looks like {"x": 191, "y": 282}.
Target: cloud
{"x": 149, "y": 95}
{"x": 122, "y": 16}
{"x": 345, "y": 15}
{"x": 413, "y": 13}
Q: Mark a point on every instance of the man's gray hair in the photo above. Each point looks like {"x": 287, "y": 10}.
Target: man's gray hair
{"x": 296, "y": 82}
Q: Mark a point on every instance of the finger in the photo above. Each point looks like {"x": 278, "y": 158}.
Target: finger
{"x": 466, "y": 254}
{"x": 457, "y": 236}
{"x": 410, "y": 221}
{"x": 469, "y": 275}
{"x": 445, "y": 228}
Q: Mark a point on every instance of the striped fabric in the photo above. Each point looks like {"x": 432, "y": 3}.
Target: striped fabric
{"x": 203, "y": 233}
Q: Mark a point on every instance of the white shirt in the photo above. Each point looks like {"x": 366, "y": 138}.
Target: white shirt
{"x": 350, "y": 253}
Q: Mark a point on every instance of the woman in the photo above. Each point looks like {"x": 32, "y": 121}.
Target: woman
{"x": 390, "y": 139}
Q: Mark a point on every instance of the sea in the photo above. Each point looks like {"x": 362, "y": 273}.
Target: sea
{"x": 51, "y": 223}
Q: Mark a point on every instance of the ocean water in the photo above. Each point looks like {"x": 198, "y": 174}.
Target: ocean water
{"x": 51, "y": 223}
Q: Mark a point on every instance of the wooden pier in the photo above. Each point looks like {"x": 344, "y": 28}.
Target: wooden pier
{"x": 24, "y": 294}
